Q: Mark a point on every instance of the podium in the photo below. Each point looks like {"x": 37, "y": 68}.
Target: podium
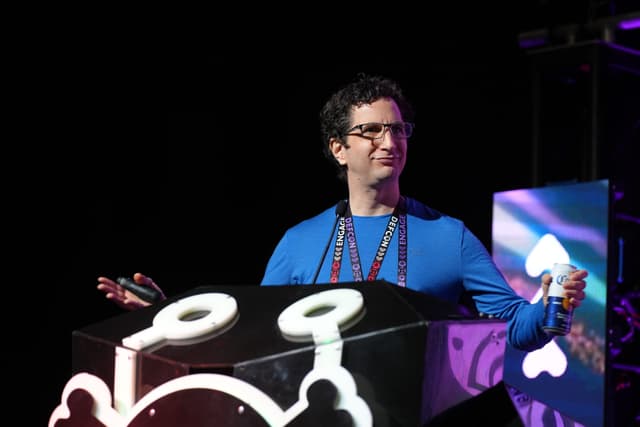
{"x": 372, "y": 353}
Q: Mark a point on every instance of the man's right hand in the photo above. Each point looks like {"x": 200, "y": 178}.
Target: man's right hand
{"x": 124, "y": 298}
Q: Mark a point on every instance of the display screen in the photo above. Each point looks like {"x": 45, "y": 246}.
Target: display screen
{"x": 531, "y": 230}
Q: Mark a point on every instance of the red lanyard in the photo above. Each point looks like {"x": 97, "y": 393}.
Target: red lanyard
{"x": 347, "y": 235}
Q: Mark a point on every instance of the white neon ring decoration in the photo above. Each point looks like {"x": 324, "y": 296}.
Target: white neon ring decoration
{"x": 222, "y": 309}
{"x": 346, "y": 303}
{"x": 169, "y": 322}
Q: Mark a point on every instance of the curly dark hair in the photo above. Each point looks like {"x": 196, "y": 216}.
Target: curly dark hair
{"x": 335, "y": 115}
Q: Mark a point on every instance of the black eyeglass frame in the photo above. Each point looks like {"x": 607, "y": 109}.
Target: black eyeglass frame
{"x": 407, "y": 128}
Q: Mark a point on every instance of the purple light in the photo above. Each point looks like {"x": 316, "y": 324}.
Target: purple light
{"x": 532, "y": 42}
{"x": 629, "y": 24}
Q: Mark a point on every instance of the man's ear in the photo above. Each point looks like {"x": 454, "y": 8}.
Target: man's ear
{"x": 338, "y": 150}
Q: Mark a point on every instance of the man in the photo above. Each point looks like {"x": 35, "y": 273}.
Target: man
{"x": 383, "y": 234}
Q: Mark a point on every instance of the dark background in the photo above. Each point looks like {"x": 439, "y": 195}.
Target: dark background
{"x": 188, "y": 165}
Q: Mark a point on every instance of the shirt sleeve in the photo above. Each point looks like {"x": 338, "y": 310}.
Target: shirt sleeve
{"x": 278, "y": 270}
{"x": 494, "y": 296}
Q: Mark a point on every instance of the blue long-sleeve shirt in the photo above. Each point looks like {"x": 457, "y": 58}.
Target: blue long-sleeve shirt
{"x": 444, "y": 258}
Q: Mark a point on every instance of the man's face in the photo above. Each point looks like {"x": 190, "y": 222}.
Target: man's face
{"x": 372, "y": 160}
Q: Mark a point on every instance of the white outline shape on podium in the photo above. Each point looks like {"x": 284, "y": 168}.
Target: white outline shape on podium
{"x": 168, "y": 323}
{"x": 346, "y": 303}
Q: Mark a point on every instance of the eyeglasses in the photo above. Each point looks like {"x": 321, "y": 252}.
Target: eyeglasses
{"x": 376, "y": 131}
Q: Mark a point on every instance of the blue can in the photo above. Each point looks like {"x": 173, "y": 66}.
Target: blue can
{"x": 558, "y": 312}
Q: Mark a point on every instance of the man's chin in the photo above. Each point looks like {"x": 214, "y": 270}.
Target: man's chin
{"x": 387, "y": 173}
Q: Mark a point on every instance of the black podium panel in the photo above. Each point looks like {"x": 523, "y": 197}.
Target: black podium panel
{"x": 410, "y": 356}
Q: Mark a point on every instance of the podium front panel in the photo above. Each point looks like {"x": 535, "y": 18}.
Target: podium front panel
{"x": 410, "y": 356}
